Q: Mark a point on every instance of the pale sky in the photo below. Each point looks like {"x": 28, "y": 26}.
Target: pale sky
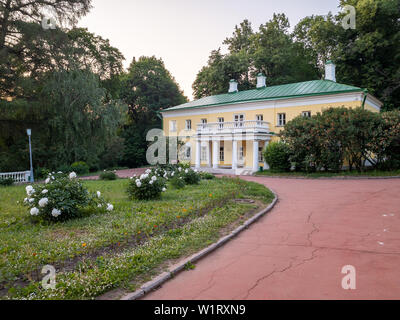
{"x": 184, "y": 32}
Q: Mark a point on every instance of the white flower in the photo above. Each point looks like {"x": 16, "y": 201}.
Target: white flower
{"x": 195, "y": 170}
{"x": 138, "y": 184}
{"x": 164, "y": 189}
{"x": 98, "y": 194}
{"x": 186, "y": 171}
{"x": 154, "y": 178}
{"x": 148, "y": 171}
{"x": 34, "y": 211}
{"x": 47, "y": 180}
{"x": 59, "y": 172}
{"x": 110, "y": 207}
{"x": 45, "y": 191}
{"x": 52, "y": 178}
{"x": 172, "y": 174}
{"x": 55, "y": 213}
{"x": 29, "y": 190}
{"x": 99, "y": 205}
{"x": 31, "y": 200}
{"x": 72, "y": 175}
{"x": 179, "y": 169}
{"x": 43, "y": 202}
{"x": 151, "y": 181}
{"x": 131, "y": 178}
{"x": 26, "y": 200}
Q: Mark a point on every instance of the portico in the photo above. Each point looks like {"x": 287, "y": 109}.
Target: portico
{"x": 243, "y": 138}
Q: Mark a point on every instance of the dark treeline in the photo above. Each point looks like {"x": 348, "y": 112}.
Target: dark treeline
{"x": 68, "y": 84}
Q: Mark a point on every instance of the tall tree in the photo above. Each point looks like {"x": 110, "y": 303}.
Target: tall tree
{"x": 147, "y": 88}
{"x": 367, "y": 56}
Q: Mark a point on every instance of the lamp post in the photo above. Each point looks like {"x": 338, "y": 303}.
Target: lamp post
{"x": 29, "y": 132}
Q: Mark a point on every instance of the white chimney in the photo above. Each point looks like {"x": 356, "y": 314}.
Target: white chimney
{"x": 261, "y": 81}
{"x": 330, "y": 71}
{"x": 233, "y": 86}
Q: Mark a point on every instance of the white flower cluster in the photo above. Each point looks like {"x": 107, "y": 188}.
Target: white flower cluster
{"x": 43, "y": 202}
{"x": 143, "y": 178}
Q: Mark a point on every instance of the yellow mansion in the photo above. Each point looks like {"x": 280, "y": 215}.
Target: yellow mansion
{"x": 230, "y": 131}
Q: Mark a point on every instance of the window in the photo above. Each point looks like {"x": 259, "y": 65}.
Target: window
{"x": 172, "y": 126}
{"x": 239, "y": 118}
{"x": 260, "y": 154}
{"x": 221, "y": 154}
{"x": 281, "y": 119}
{"x": 188, "y": 153}
{"x": 203, "y": 122}
{"x": 221, "y": 123}
{"x": 241, "y": 153}
{"x": 259, "y": 119}
{"x": 204, "y": 153}
{"x": 306, "y": 114}
{"x": 188, "y": 124}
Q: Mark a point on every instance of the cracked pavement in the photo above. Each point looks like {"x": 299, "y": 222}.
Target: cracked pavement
{"x": 298, "y": 249}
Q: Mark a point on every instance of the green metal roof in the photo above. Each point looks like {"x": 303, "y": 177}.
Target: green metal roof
{"x": 293, "y": 90}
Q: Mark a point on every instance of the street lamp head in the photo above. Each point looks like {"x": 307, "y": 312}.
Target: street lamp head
{"x": 28, "y": 131}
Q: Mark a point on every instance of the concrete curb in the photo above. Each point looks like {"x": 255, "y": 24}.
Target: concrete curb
{"x": 328, "y": 178}
{"x": 165, "y": 276}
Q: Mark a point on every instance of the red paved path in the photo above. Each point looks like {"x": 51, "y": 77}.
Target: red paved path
{"x": 298, "y": 250}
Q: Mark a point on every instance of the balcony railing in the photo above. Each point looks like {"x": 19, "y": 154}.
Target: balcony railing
{"x": 249, "y": 126}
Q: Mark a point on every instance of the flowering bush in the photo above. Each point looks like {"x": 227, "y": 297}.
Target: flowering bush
{"x": 148, "y": 186}
{"x": 61, "y": 198}
{"x": 190, "y": 176}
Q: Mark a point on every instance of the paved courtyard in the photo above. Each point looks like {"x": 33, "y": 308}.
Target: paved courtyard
{"x": 298, "y": 250}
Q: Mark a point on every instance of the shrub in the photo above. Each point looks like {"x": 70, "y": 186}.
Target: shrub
{"x": 148, "y": 186}
{"x": 62, "y": 198}
{"x": 190, "y": 176}
{"x": 6, "y": 182}
{"x": 277, "y": 156}
{"x": 80, "y": 167}
{"x": 64, "y": 168}
{"x": 108, "y": 175}
{"x": 177, "y": 182}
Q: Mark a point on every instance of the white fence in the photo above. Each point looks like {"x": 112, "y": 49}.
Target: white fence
{"x": 16, "y": 176}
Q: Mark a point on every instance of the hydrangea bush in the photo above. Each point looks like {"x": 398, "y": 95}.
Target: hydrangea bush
{"x": 61, "y": 198}
{"x": 149, "y": 185}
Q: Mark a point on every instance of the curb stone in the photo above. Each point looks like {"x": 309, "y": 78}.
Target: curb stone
{"x": 165, "y": 276}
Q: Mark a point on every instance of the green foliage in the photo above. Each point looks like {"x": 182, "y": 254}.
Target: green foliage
{"x": 206, "y": 176}
{"x": 367, "y": 56}
{"x": 190, "y": 176}
{"x": 108, "y": 175}
{"x": 326, "y": 140}
{"x": 271, "y": 50}
{"x": 147, "y": 88}
{"x": 277, "y": 156}
{"x": 6, "y": 182}
{"x": 62, "y": 198}
{"x": 177, "y": 182}
{"x": 146, "y": 187}
{"x": 80, "y": 167}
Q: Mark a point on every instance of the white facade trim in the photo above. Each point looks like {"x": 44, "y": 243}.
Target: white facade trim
{"x": 284, "y": 103}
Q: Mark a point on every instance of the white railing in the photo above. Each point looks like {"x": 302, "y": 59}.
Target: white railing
{"x": 22, "y": 176}
{"x": 254, "y": 126}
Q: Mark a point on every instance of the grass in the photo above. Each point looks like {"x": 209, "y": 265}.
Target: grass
{"x": 123, "y": 248}
{"x": 369, "y": 173}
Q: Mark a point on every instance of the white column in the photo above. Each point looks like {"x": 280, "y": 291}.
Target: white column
{"x": 255, "y": 156}
{"x": 215, "y": 154}
{"x": 209, "y": 157}
{"x": 198, "y": 154}
{"x": 234, "y": 154}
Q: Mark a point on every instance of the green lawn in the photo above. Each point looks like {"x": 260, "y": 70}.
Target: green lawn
{"x": 123, "y": 248}
{"x": 370, "y": 173}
